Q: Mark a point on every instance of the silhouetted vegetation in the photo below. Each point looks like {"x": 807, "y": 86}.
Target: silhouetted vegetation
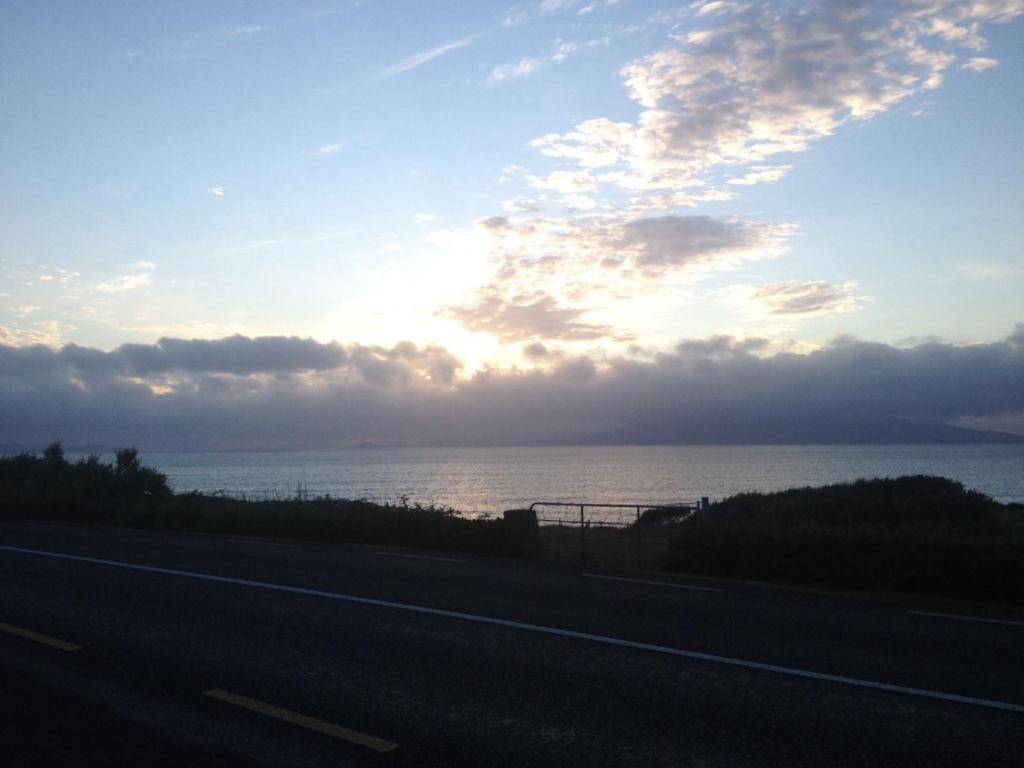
{"x": 49, "y": 488}
{"x": 911, "y": 534}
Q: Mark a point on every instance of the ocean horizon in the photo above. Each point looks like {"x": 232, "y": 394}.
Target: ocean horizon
{"x": 491, "y": 479}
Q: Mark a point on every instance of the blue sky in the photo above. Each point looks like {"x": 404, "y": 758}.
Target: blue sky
{"x": 518, "y": 185}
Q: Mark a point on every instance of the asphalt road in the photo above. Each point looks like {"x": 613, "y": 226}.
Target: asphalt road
{"x": 121, "y": 648}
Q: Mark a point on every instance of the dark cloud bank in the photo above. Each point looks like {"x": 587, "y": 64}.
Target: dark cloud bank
{"x": 278, "y": 393}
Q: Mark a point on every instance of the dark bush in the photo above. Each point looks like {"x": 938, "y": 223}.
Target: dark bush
{"x": 130, "y": 494}
{"x": 911, "y": 534}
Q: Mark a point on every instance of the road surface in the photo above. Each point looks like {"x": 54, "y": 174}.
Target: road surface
{"x": 121, "y": 647}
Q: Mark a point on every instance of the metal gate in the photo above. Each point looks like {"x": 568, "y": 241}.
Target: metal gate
{"x": 612, "y": 536}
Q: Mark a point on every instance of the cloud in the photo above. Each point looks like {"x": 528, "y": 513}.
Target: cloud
{"x": 233, "y": 354}
{"x": 424, "y": 218}
{"x": 565, "y": 182}
{"x": 792, "y": 299}
{"x": 531, "y": 65}
{"x": 331, "y": 149}
{"x": 796, "y": 297}
{"x": 126, "y": 283}
{"x": 421, "y": 58}
{"x": 592, "y": 144}
{"x": 979, "y": 64}
{"x": 666, "y": 242}
{"x": 216, "y": 191}
{"x": 743, "y": 83}
{"x": 546, "y": 272}
{"x": 297, "y": 393}
{"x": 760, "y": 174}
{"x": 514, "y": 70}
{"x": 535, "y": 316}
{"x": 520, "y": 205}
{"x": 142, "y": 266}
{"x": 990, "y": 270}
{"x": 49, "y": 333}
{"x": 241, "y": 30}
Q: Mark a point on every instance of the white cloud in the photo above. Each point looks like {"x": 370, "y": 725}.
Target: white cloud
{"x": 990, "y": 270}
{"x": 424, "y": 218}
{"x": 565, "y": 182}
{"x": 520, "y": 205}
{"x": 979, "y": 64}
{"x": 331, "y": 149}
{"x": 51, "y": 333}
{"x": 243, "y": 30}
{"x": 530, "y": 65}
{"x": 760, "y": 174}
{"x": 592, "y": 144}
{"x": 514, "y": 70}
{"x": 142, "y": 266}
{"x": 421, "y": 58}
{"x": 126, "y": 283}
{"x": 746, "y": 82}
{"x": 216, "y": 191}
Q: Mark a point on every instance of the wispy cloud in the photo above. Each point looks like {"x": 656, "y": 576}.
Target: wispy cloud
{"x": 200, "y": 44}
{"x": 126, "y": 283}
{"x": 759, "y": 174}
{"x": 216, "y": 191}
{"x": 421, "y": 58}
{"x": 424, "y": 218}
{"x": 331, "y": 149}
{"x": 530, "y": 65}
{"x": 980, "y": 64}
{"x": 514, "y": 70}
{"x": 990, "y": 270}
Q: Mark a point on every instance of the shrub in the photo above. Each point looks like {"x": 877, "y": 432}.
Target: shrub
{"x": 912, "y": 534}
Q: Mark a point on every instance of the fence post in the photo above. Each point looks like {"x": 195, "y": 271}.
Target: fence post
{"x": 522, "y": 537}
{"x": 583, "y": 539}
{"x": 639, "y": 542}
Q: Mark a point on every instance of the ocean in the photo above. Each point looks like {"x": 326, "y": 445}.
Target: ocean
{"x": 495, "y": 479}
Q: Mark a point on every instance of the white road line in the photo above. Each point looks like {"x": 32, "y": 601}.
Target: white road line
{"x": 420, "y": 557}
{"x": 651, "y": 581}
{"x": 296, "y": 718}
{"x": 38, "y": 637}
{"x": 261, "y": 543}
{"x": 968, "y": 618}
{"x": 541, "y": 629}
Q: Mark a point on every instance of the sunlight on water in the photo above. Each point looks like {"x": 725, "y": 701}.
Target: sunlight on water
{"x": 494, "y": 479}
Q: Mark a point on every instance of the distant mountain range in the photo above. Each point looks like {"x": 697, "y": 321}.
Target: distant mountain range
{"x": 710, "y": 431}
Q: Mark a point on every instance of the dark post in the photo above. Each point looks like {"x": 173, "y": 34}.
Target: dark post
{"x": 583, "y": 539}
{"x": 639, "y": 542}
{"x": 521, "y": 532}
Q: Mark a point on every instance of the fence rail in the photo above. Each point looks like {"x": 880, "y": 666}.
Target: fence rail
{"x": 612, "y": 535}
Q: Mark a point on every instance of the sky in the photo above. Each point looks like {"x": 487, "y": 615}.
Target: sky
{"x": 557, "y": 220}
